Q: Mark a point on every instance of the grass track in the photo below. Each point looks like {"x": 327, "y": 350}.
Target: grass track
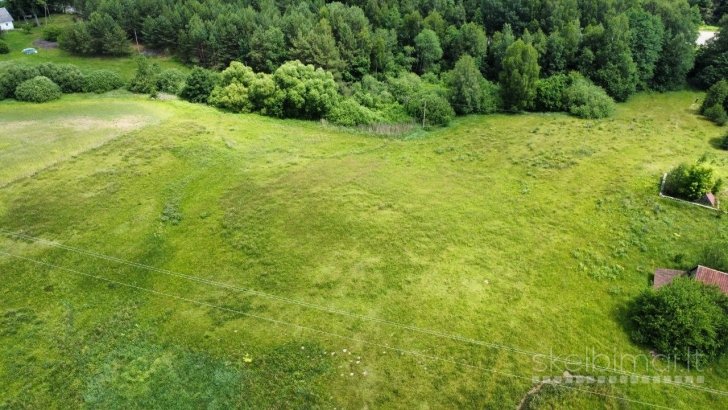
{"x": 506, "y": 229}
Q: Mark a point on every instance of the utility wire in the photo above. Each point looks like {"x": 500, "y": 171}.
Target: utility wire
{"x": 323, "y": 332}
{"x": 327, "y": 309}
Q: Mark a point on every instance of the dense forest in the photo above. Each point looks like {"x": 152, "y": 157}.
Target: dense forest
{"x": 479, "y": 55}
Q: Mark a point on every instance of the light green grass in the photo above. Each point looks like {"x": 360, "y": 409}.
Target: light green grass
{"x": 505, "y": 229}
{"x": 18, "y": 40}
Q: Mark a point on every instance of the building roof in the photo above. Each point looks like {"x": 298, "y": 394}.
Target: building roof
{"x": 5, "y": 17}
{"x": 711, "y": 277}
{"x": 708, "y": 199}
{"x": 665, "y": 276}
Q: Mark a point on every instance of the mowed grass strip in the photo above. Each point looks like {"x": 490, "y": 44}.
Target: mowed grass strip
{"x": 529, "y": 231}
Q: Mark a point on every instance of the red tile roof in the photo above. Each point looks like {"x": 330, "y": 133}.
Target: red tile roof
{"x": 665, "y": 276}
{"x": 712, "y": 277}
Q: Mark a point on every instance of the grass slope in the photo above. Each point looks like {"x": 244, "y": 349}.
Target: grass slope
{"x": 513, "y": 230}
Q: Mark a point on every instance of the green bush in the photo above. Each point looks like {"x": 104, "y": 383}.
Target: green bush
{"x": 550, "y": 93}
{"x": 716, "y": 95}
{"x": 13, "y": 77}
{"x": 39, "y": 89}
{"x": 470, "y": 93}
{"x": 67, "y": 76}
{"x": 171, "y": 81}
{"x": 233, "y": 97}
{"x": 51, "y": 33}
{"x": 4, "y": 49}
{"x": 717, "y": 114}
{"x": 102, "y": 81}
{"x": 145, "y": 78}
{"x": 303, "y": 91}
{"x": 685, "y": 317}
{"x": 586, "y": 100}
{"x": 691, "y": 181}
{"x": 199, "y": 85}
{"x": 436, "y": 109}
{"x": 350, "y": 113}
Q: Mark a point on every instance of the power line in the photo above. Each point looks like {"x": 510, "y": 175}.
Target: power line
{"x": 323, "y": 332}
{"x": 330, "y": 310}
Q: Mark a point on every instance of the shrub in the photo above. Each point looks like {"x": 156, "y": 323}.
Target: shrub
{"x": 233, "y": 97}
{"x": 350, "y": 113}
{"x": 716, "y": 95}
{"x": 436, "y": 109}
{"x": 550, "y": 93}
{"x": 681, "y": 319}
{"x": 303, "y": 91}
{"x": 404, "y": 87}
{"x": 199, "y": 85}
{"x": 171, "y": 81}
{"x": 145, "y": 78}
{"x": 102, "y": 81}
{"x": 691, "y": 181}
{"x": 39, "y": 89}
{"x": 586, "y": 100}
{"x": 27, "y": 28}
{"x": 13, "y": 77}
{"x": 67, "y": 76}
{"x": 717, "y": 114}
{"x": 51, "y": 33}
{"x": 4, "y": 49}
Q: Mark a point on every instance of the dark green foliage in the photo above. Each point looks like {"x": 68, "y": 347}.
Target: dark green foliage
{"x": 350, "y": 113}
{"x": 302, "y": 91}
{"x": 717, "y": 114}
{"x": 145, "y": 78}
{"x": 38, "y": 90}
{"x": 429, "y": 51}
{"x": 607, "y": 59}
{"x": 724, "y": 143}
{"x": 550, "y": 93}
{"x": 587, "y": 100}
{"x": 4, "y": 49}
{"x": 100, "y": 35}
{"x": 717, "y": 95}
{"x": 171, "y": 81}
{"x": 318, "y": 47}
{"x": 199, "y": 85}
{"x": 433, "y": 107}
{"x": 682, "y": 319}
{"x": 691, "y": 182}
{"x": 102, "y": 81}
{"x": 470, "y": 93}
{"x": 267, "y": 49}
{"x": 519, "y": 77}
{"x": 51, "y": 33}
{"x": 67, "y": 76}
{"x": 13, "y": 77}
{"x": 646, "y": 40}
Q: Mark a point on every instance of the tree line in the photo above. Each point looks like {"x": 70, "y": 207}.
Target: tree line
{"x": 622, "y": 46}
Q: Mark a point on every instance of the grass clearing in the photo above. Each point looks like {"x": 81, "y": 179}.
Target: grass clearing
{"x": 18, "y": 40}
{"x": 514, "y": 230}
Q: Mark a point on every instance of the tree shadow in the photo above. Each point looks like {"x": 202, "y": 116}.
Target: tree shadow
{"x": 717, "y": 142}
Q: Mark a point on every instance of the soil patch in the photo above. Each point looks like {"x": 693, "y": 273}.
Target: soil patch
{"x": 45, "y": 44}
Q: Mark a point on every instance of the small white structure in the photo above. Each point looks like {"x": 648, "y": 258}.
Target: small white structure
{"x": 6, "y": 20}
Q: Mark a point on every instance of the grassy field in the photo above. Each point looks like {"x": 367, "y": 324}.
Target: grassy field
{"x": 524, "y": 234}
{"x": 18, "y": 40}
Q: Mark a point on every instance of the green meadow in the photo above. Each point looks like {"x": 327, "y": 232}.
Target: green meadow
{"x": 201, "y": 259}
